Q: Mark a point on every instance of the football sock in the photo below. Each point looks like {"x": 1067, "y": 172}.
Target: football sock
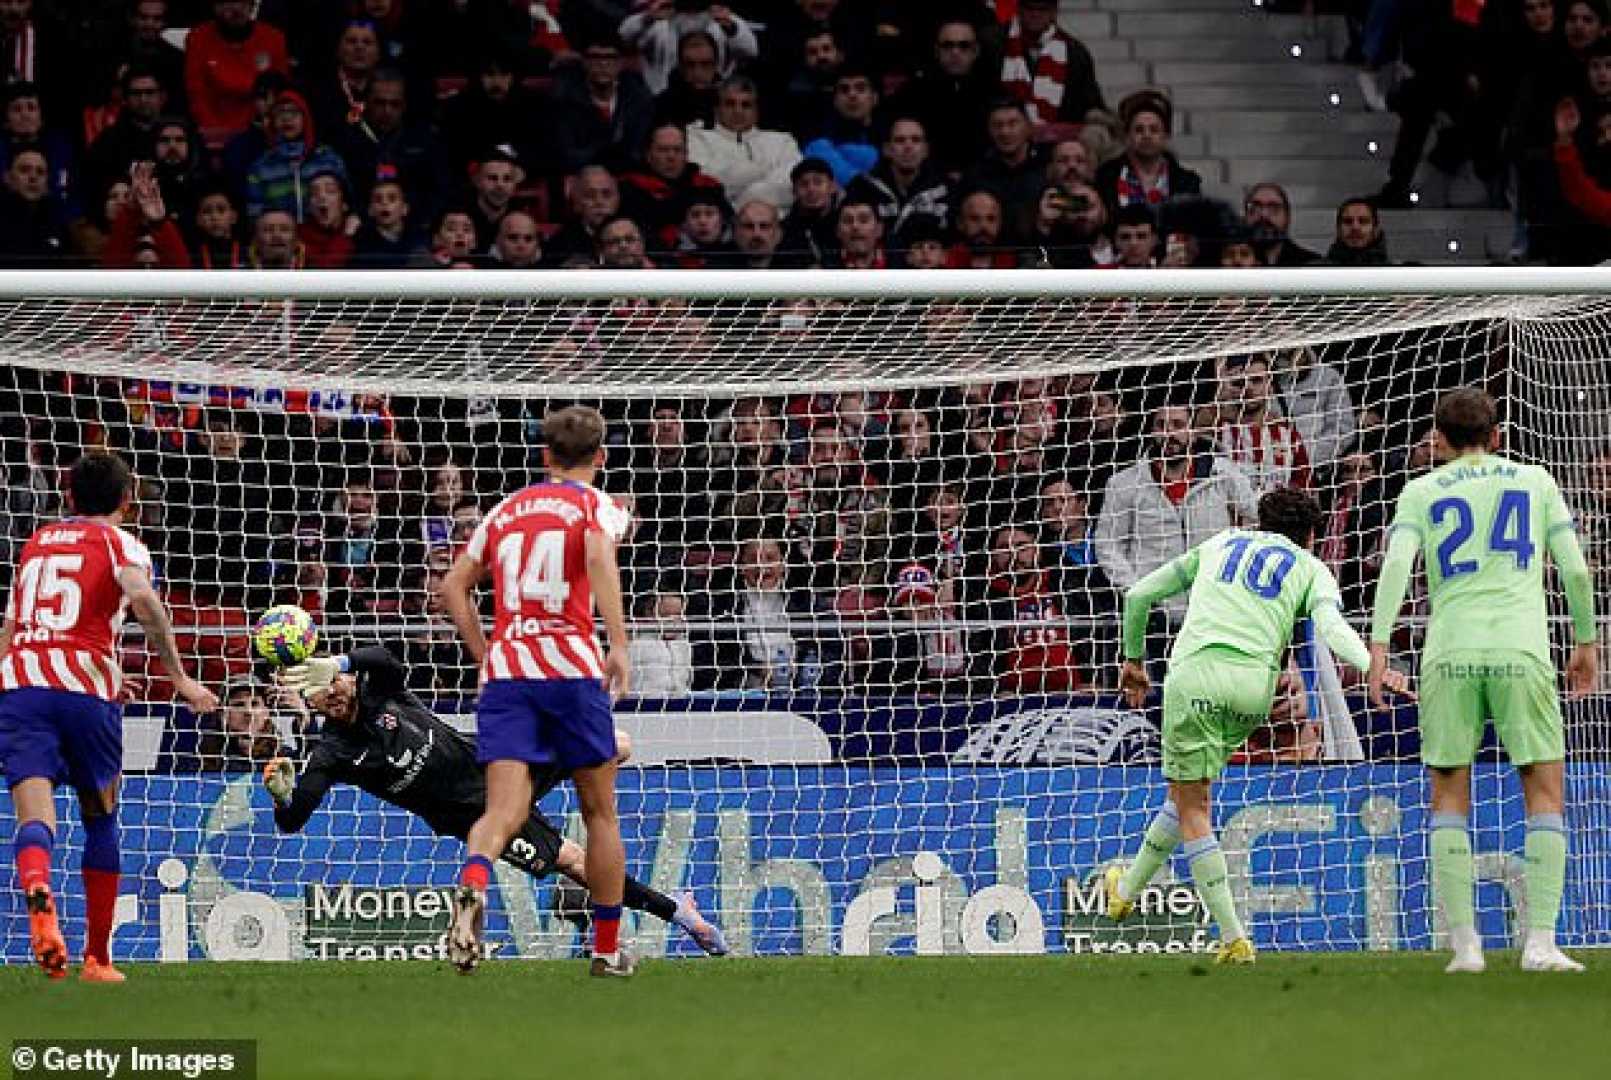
{"x": 639, "y": 897}
{"x": 606, "y": 929}
{"x": 101, "y": 865}
{"x": 31, "y": 848}
{"x": 1451, "y": 870}
{"x": 477, "y": 872}
{"x": 1162, "y": 837}
{"x": 1546, "y": 870}
{"x": 1212, "y": 879}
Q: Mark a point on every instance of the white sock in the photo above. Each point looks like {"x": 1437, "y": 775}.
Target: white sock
{"x": 1464, "y": 939}
{"x": 1540, "y": 941}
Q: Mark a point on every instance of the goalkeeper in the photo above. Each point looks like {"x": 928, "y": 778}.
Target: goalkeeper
{"x": 378, "y": 736}
{"x": 1246, "y": 590}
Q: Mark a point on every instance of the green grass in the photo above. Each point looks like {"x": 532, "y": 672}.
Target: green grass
{"x": 1292, "y": 1016}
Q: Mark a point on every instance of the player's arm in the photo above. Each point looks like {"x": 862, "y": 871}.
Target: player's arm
{"x": 1403, "y": 544}
{"x": 458, "y": 598}
{"x": 1583, "y": 668}
{"x": 296, "y": 798}
{"x": 148, "y": 609}
{"x": 604, "y": 577}
{"x": 1170, "y": 579}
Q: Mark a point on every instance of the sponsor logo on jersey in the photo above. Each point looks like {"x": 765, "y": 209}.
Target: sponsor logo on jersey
{"x": 412, "y": 762}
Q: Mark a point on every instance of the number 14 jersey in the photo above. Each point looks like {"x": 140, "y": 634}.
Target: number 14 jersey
{"x": 535, "y": 543}
{"x": 66, "y": 608}
{"x": 1483, "y": 523}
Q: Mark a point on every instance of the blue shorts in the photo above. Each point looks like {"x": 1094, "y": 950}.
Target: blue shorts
{"x": 563, "y": 722}
{"x": 61, "y": 736}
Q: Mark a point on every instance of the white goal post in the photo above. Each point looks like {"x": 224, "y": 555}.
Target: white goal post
{"x": 881, "y": 520}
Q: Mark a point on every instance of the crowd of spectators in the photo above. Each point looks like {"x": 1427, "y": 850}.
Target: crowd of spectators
{"x": 958, "y": 542}
{"x": 761, "y": 133}
{"x": 1514, "y": 99}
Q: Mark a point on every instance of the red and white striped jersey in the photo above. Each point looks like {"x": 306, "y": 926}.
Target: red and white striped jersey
{"x": 535, "y": 542}
{"x": 1271, "y": 451}
{"x": 66, "y": 609}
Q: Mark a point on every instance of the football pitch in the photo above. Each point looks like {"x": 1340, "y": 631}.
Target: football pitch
{"x": 1292, "y": 1015}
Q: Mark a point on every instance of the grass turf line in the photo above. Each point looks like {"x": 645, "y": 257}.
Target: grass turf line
{"x": 1290, "y": 1016}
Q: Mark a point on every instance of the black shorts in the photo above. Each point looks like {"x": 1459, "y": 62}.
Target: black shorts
{"x": 534, "y": 849}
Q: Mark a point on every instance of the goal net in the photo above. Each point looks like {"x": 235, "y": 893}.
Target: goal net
{"x": 881, "y": 526}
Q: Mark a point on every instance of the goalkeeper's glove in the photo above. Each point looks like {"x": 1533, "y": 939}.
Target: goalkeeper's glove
{"x": 279, "y": 776}
{"x": 314, "y": 673}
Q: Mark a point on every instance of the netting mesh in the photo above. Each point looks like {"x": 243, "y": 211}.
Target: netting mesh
{"x": 877, "y": 555}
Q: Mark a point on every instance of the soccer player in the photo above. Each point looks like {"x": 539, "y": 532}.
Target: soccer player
{"x": 1247, "y": 587}
{"x": 546, "y": 690}
{"x": 60, "y": 687}
{"x": 380, "y": 737}
{"x": 1480, "y": 518}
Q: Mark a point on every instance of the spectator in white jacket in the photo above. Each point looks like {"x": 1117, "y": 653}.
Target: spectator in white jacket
{"x": 750, "y": 163}
{"x": 1178, "y": 495}
{"x": 658, "y": 25}
{"x": 1315, "y": 398}
{"x": 661, "y": 655}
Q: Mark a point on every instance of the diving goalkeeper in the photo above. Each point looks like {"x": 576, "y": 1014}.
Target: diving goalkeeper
{"x": 378, "y": 736}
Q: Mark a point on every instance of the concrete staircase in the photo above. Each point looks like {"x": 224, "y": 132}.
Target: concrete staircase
{"x": 1264, "y": 97}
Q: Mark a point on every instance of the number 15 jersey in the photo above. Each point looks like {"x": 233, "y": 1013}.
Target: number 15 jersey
{"x": 535, "y": 543}
{"x": 1248, "y": 588}
{"x": 66, "y": 608}
{"x": 1484, "y": 523}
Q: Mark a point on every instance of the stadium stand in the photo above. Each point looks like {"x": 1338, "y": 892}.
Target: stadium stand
{"x": 391, "y": 133}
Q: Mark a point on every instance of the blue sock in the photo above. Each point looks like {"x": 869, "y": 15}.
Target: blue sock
{"x": 31, "y": 848}
{"x": 33, "y": 834}
{"x": 101, "y": 850}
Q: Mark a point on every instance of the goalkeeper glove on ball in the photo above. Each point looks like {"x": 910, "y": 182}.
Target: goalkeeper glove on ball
{"x": 315, "y": 673}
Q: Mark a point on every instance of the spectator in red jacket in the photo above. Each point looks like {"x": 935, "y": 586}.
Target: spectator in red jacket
{"x": 655, "y": 193}
{"x": 223, "y": 58}
{"x": 1038, "y": 656}
{"x": 327, "y": 228}
{"x": 142, "y": 225}
{"x": 1581, "y": 189}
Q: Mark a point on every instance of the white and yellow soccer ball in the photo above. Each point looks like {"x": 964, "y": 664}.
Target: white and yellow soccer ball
{"x": 285, "y": 635}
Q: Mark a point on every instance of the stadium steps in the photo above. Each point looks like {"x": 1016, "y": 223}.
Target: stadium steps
{"x": 1250, "y": 49}
{"x": 1250, "y": 107}
{"x": 1424, "y": 236}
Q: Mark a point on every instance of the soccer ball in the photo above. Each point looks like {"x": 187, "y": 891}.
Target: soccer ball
{"x": 285, "y": 635}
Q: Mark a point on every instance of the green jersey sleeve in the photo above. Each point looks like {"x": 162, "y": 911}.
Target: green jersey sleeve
{"x": 1567, "y": 554}
{"x": 1174, "y": 576}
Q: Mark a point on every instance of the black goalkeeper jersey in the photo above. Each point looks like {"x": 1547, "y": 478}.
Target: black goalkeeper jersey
{"x": 396, "y": 749}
